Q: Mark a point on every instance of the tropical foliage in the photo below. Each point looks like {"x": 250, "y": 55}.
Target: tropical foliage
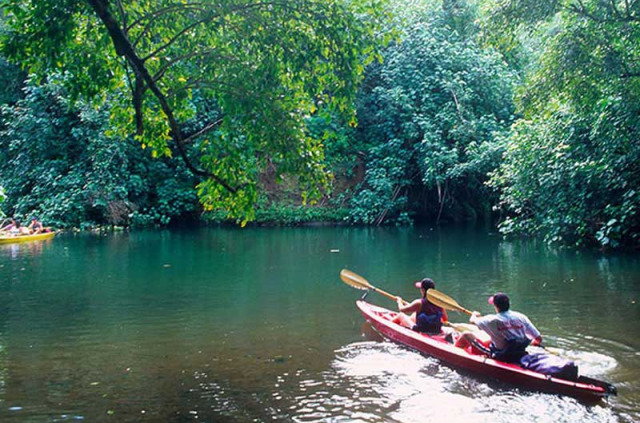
{"x": 60, "y": 166}
{"x": 2, "y": 198}
{"x": 429, "y": 115}
{"x": 570, "y": 172}
{"x": 267, "y": 66}
{"x": 525, "y": 111}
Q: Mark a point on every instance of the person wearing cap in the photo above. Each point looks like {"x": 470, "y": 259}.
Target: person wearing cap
{"x": 36, "y": 226}
{"x": 15, "y": 229}
{"x": 8, "y": 228}
{"x": 510, "y": 331}
{"x": 425, "y": 316}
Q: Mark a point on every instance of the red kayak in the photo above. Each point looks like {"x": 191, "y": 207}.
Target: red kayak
{"x": 586, "y": 389}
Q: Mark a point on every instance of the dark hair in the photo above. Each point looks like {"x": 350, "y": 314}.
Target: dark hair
{"x": 501, "y": 301}
{"x": 427, "y": 284}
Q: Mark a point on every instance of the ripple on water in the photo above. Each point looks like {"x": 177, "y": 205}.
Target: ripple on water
{"x": 591, "y": 363}
{"x": 383, "y": 382}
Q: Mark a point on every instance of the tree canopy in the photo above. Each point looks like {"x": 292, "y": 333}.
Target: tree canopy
{"x": 429, "y": 118}
{"x": 266, "y": 66}
{"x": 60, "y": 165}
{"x": 525, "y": 110}
{"x": 570, "y": 171}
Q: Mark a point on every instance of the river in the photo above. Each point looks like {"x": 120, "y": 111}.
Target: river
{"x": 254, "y": 325}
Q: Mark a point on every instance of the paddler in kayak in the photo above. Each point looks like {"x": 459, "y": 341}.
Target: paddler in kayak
{"x": 425, "y": 317}
{"x": 36, "y": 226}
{"x": 7, "y": 229}
{"x": 510, "y": 332}
{"x": 14, "y": 229}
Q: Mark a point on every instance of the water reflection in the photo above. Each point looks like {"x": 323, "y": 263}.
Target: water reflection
{"x": 21, "y": 249}
{"x": 254, "y": 325}
{"x": 4, "y": 363}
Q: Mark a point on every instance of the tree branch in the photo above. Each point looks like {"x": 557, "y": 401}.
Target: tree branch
{"x": 614, "y": 8}
{"x": 160, "y": 73}
{"x": 123, "y": 14}
{"x": 208, "y": 18}
{"x": 200, "y": 83}
{"x": 138, "y": 98}
{"x": 455, "y": 99}
{"x": 124, "y": 48}
{"x": 158, "y": 14}
{"x": 581, "y": 10}
{"x": 180, "y": 34}
{"x": 163, "y": 11}
{"x": 203, "y": 131}
{"x": 627, "y": 8}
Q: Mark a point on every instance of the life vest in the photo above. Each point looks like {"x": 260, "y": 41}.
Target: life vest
{"x": 428, "y": 318}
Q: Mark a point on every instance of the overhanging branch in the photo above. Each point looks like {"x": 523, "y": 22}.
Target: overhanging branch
{"x": 124, "y": 48}
{"x": 202, "y": 131}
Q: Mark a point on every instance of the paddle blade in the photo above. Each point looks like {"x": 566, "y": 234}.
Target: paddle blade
{"x": 444, "y": 301}
{"x": 354, "y": 280}
{"x": 552, "y": 350}
{"x": 463, "y": 327}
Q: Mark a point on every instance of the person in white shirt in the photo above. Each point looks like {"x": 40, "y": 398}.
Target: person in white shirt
{"x": 510, "y": 332}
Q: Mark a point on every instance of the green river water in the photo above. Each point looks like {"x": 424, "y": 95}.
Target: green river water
{"x": 254, "y": 325}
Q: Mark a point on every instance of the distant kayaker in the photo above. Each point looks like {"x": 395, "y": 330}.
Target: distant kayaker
{"x": 36, "y": 226}
{"x": 9, "y": 227}
{"x": 15, "y": 229}
{"x": 23, "y": 230}
{"x": 425, "y": 317}
{"x": 510, "y": 332}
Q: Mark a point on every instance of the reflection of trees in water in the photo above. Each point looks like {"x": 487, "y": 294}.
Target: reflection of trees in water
{"x": 4, "y": 364}
{"x": 251, "y": 328}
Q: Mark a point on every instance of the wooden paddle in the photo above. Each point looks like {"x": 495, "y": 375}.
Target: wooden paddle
{"x": 359, "y": 282}
{"x": 445, "y": 301}
{"x": 462, "y": 327}
{"x": 435, "y": 297}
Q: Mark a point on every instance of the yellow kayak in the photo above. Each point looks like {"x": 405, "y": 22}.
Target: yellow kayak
{"x": 10, "y": 239}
